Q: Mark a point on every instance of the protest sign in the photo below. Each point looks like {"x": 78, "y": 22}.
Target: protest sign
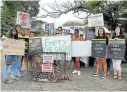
{"x": 99, "y": 48}
{"x": 23, "y": 19}
{"x": 95, "y": 20}
{"x": 13, "y": 47}
{"x": 36, "y": 26}
{"x": 35, "y": 45}
{"x": 47, "y": 68}
{"x": 56, "y": 55}
{"x": 57, "y": 44}
{"x": 81, "y": 48}
{"x": 26, "y": 39}
{"x": 48, "y": 59}
{"x": 116, "y": 49}
{"x": 71, "y": 29}
{"x": 89, "y": 33}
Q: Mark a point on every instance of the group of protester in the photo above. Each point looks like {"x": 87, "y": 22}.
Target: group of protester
{"x": 15, "y": 67}
{"x": 107, "y": 63}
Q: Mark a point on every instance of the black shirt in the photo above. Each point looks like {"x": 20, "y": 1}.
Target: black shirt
{"x": 98, "y": 37}
{"x": 120, "y": 37}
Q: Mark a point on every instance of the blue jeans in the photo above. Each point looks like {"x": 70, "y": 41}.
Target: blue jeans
{"x": 109, "y": 65}
{"x": 13, "y": 66}
{"x": 18, "y": 63}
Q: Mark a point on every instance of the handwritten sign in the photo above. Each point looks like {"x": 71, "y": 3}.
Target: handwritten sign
{"x": 56, "y": 56}
{"x": 13, "y": 47}
{"x": 35, "y": 45}
{"x": 89, "y": 33}
{"x": 116, "y": 49}
{"x": 99, "y": 48}
{"x": 26, "y": 39}
{"x": 57, "y": 44}
{"x": 48, "y": 59}
{"x": 23, "y": 19}
{"x": 96, "y": 20}
{"x": 47, "y": 68}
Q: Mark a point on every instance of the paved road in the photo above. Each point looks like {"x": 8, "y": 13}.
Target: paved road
{"x": 84, "y": 82}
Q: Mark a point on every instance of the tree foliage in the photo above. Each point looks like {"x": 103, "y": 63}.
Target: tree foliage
{"x": 9, "y": 11}
{"x": 73, "y": 23}
{"x": 112, "y": 10}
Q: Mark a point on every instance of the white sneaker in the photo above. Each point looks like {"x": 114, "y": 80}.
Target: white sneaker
{"x": 18, "y": 74}
{"x": 14, "y": 78}
{"x": 79, "y": 73}
{"x": 75, "y": 71}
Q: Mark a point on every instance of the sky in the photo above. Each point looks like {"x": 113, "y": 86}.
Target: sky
{"x": 58, "y": 21}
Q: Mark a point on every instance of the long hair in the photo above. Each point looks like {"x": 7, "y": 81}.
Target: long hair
{"x": 121, "y": 32}
{"x": 10, "y": 34}
{"x": 104, "y": 34}
{"x": 17, "y": 26}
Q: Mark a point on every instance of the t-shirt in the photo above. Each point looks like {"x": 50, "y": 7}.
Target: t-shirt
{"x": 120, "y": 37}
{"x": 98, "y": 37}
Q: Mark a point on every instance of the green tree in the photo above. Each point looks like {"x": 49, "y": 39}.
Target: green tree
{"x": 9, "y": 11}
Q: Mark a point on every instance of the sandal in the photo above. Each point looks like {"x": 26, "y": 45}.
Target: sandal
{"x": 119, "y": 78}
{"x": 114, "y": 77}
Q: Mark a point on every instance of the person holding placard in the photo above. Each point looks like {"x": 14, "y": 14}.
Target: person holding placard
{"x": 11, "y": 60}
{"x": 117, "y": 63}
{"x": 19, "y": 63}
{"x": 101, "y": 35}
{"x": 76, "y": 37}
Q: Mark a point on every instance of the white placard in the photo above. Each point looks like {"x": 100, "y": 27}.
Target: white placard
{"x": 81, "y": 48}
{"x": 57, "y": 44}
{"x": 23, "y": 19}
{"x": 47, "y": 68}
{"x": 47, "y": 59}
{"x": 95, "y": 20}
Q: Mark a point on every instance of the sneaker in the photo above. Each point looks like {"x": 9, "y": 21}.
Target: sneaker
{"x": 8, "y": 81}
{"x": 18, "y": 74}
{"x": 79, "y": 73}
{"x": 14, "y": 78}
{"x": 104, "y": 76}
{"x": 96, "y": 74}
{"x": 75, "y": 71}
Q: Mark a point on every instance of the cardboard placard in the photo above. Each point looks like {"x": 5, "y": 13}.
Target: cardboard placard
{"x": 26, "y": 39}
{"x": 13, "y": 47}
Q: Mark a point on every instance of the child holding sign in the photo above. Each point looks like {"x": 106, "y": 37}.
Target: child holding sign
{"x": 117, "y": 63}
